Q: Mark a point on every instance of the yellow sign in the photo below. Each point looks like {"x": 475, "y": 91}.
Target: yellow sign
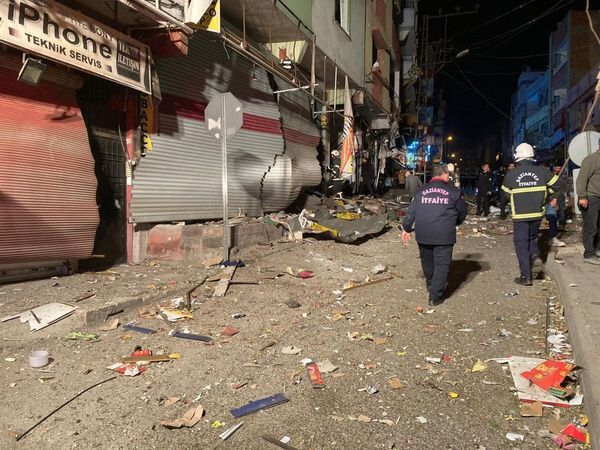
{"x": 211, "y": 20}
{"x": 146, "y": 122}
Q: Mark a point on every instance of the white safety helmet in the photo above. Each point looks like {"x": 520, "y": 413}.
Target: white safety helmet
{"x": 450, "y": 167}
{"x": 524, "y": 151}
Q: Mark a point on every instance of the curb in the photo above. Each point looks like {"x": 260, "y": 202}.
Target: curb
{"x": 580, "y": 325}
{"x": 103, "y": 312}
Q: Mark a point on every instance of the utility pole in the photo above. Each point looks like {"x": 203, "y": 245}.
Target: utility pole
{"x": 439, "y": 58}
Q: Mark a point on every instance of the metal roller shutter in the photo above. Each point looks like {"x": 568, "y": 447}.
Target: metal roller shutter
{"x": 180, "y": 179}
{"x": 301, "y": 139}
{"x": 47, "y": 182}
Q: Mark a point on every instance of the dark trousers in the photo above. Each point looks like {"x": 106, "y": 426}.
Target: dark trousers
{"x": 435, "y": 261}
{"x": 483, "y": 203}
{"x": 591, "y": 227}
{"x": 525, "y": 236}
{"x": 504, "y": 200}
{"x": 552, "y": 225}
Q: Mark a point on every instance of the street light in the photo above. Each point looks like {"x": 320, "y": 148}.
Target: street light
{"x": 450, "y": 138}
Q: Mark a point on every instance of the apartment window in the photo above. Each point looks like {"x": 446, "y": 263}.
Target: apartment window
{"x": 559, "y": 57}
{"x": 342, "y": 14}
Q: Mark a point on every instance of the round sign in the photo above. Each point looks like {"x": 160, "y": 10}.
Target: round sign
{"x": 582, "y": 145}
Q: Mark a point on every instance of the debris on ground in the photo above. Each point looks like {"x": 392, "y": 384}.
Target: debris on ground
{"x": 192, "y": 336}
{"x": 81, "y": 336}
{"x": 228, "y": 432}
{"x": 137, "y": 329}
{"x": 190, "y": 418}
{"x": 258, "y": 405}
{"x": 110, "y": 326}
{"x": 43, "y": 316}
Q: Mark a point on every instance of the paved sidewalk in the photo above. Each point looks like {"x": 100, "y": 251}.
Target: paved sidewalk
{"x": 579, "y": 287}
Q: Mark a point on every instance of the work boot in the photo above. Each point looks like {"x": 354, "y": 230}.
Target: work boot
{"x": 555, "y": 242}
{"x": 523, "y": 281}
{"x": 536, "y": 263}
{"x": 436, "y": 302}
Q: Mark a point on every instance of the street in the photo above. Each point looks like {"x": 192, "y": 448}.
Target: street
{"x": 384, "y": 394}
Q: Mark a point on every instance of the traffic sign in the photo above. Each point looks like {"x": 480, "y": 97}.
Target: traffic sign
{"x": 223, "y": 112}
{"x": 223, "y": 117}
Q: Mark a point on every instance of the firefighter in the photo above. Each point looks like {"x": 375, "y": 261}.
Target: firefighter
{"x": 434, "y": 213}
{"x": 527, "y": 187}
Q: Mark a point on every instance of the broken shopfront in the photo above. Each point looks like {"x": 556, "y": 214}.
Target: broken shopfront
{"x": 64, "y": 141}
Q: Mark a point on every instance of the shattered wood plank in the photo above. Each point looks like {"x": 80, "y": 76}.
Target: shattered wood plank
{"x": 368, "y": 283}
{"x": 223, "y": 284}
{"x": 188, "y": 294}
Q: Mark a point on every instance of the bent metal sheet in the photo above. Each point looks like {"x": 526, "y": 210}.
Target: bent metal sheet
{"x": 55, "y": 32}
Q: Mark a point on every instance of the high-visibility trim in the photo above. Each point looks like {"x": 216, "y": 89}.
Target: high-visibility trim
{"x": 512, "y": 204}
{"x": 529, "y": 189}
{"x": 553, "y": 180}
{"x": 537, "y": 215}
{"x": 505, "y": 189}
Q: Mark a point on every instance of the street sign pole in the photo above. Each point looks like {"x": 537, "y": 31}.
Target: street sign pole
{"x": 223, "y": 118}
{"x": 224, "y": 184}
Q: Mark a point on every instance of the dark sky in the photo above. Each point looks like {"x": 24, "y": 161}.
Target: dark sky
{"x": 498, "y": 52}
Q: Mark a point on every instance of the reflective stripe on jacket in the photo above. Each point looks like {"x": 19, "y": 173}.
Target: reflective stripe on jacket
{"x": 527, "y": 185}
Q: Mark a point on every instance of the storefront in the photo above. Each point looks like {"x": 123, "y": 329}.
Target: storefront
{"x": 57, "y": 136}
{"x": 270, "y": 159}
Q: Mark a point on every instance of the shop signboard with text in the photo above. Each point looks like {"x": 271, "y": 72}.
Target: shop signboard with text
{"x": 55, "y": 32}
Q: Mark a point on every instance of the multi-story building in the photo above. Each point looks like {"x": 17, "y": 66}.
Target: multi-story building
{"x": 524, "y": 104}
{"x": 573, "y": 62}
{"x": 538, "y": 115}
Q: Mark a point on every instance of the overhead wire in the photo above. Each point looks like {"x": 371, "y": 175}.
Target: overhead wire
{"x": 469, "y": 88}
{"x": 507, "y": 35}
{"x": 482, "y": 95}
{"x": 478, "y": 26}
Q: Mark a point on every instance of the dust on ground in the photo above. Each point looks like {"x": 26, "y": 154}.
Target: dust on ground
{"x": 391, "y": 340}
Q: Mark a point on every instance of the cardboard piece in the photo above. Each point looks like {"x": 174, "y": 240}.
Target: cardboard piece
{"x": 534, "y": 409}
{"x": 549, "y": 375}
{"x": 315, "y": 376}
{"x": 189, "y": 419}
{"x": 526, "y": 391}
{"x": 46, "y": 315}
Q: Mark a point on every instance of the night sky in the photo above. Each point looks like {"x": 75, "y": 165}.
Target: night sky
{"x": 498, "y": 52}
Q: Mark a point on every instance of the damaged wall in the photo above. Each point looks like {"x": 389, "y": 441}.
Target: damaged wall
{"x": 180, "y": 179}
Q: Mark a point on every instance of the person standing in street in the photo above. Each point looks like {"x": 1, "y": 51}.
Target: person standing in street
{"x": 412, "y": 183}
{"x": 368, "y": 177}
{"x": 527, "y": 186}
{"x": 434, "y": 213}
{"x": 484, "y": 190}
{"x": 504, "y": 200}
{"x": 588, "y": 191}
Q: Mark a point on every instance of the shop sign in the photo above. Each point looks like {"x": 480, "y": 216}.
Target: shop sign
{"x": 147, "y": 119}
{"x": 60, "y": 34}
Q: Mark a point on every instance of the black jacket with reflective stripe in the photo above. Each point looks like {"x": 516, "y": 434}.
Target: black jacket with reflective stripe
{"x": 527, "y": 186}
{"x": 434, "y": 213}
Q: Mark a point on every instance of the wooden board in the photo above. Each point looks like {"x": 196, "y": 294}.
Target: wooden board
{"x": 223, "y": 284}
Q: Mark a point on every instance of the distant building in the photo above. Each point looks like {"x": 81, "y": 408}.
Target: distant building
{"x": 523, "y": 105}
{"x": 574, "y": 60}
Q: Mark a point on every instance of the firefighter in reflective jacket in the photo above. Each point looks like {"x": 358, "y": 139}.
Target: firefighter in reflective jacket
{"x": 528, "y": 186}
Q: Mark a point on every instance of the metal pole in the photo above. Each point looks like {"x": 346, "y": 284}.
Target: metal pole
{"x": 224, "y": 183}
